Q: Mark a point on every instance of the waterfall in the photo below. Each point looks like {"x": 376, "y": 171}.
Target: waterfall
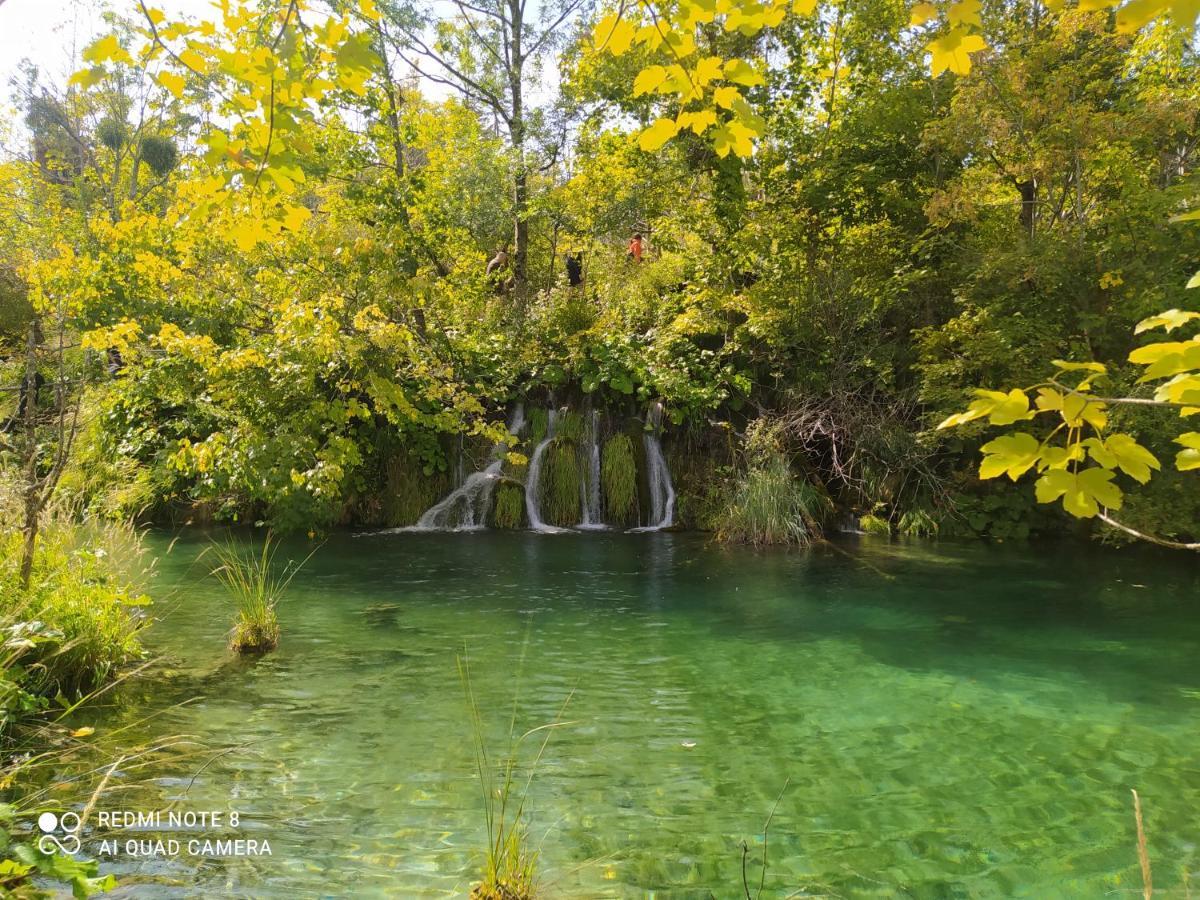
{"x": 658, "y": 475}
{"x": 589, "y": 487}
{"x": 533, "y": 479}
{"x": 466, "y": 507}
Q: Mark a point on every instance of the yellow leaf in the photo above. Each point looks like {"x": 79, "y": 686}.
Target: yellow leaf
{"x": 294, "y": 218}
{"x": 804, "y": 7}
{"x": 965, "y": 12}
{"x": 682, "y": 43}
{"x": 698, "y": 121}
{"x": 653, "y": 138}
{"x": 368, "y": 9}
{"x": 648, "y": 80}
{"x": 741, "y": 72}
{"x": 85, "y": 731}
{"x": 708, "y": 69}
{"x": 725, "y": 96}
{"x": 952, "y": 51}
{"x": 1170, "y": 320}
{"x": 173, "y": 83}
{"x": 614, "y": 33}
{"x": 104, "y": 49}
{"x": 922, "y": 13}
{"x": 86, "y": 78}
{"x": 1135, "y": 14}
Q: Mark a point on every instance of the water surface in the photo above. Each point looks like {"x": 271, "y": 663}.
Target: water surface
{"x": 950, "y": 721}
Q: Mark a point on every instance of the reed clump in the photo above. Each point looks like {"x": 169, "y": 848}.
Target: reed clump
{"x": 768, "y": 503}
{"x": 257, "y": 585}
{"x": 619, "y": 478}
{"x": 510, "y": 861}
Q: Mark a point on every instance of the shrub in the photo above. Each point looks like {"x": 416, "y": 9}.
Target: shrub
{"x": 619, "y": 477}
{"x": 82, "y": 598}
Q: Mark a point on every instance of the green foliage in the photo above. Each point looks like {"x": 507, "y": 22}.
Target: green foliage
{"x": 872, "y": 524}
{"x": 408, "y": 490}
{"x": 21, "y": 862}
{"x": 619, "y": 478}
{"x": 768, "y": 503}
{"x": 561, "y": 478}
{"x": 918, "y": 523}
{"x": 160, "y": 154}
{"x": 85, "y": 595}
{"x": 508, "y": 509}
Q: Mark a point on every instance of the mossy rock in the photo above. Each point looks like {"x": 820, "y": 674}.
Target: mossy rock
{"x": 508, "y": 505}
{"x": 619, "y": 479}
{"x": 255, "y": 636}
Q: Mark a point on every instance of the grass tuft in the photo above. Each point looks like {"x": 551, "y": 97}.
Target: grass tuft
{"x": 769, "y": 503}
{"x": 256, "y": 585}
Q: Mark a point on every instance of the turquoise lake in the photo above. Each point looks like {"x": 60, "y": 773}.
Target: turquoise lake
{"x": 949, "y": 720}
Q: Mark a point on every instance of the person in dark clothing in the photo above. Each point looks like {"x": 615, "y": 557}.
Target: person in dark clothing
{"x": 574, "y": 263}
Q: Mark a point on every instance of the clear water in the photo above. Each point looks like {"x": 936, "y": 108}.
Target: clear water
{"x": 954, "y": 721}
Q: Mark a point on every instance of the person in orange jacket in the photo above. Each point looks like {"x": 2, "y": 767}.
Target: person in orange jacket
{"x": 635, "y": 247}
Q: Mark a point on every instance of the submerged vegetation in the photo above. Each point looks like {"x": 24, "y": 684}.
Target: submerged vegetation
{"x": 510, "y": 861}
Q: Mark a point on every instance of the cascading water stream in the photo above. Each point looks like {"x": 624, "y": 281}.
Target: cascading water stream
{"x": 658, "y": 476}
{"x": 533, "y": 479}
{"x": 589, "y": 487}
{"x": 466, "y": 507}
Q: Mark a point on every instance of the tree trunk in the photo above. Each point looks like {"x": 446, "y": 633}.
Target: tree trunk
{"x": 520, "y": 257}
{"x": 33, "y": 493}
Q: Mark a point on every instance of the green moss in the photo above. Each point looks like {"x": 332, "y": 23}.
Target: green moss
{"x": 561, "y": 477}
{"x": 619, "y": 477}
{"x": 409, "y": 490}
{"x": 536, "y": 424}
{"x": 569, "y": 426}
{"x": 508, "y": 507}
{"x": 874, "y": 525}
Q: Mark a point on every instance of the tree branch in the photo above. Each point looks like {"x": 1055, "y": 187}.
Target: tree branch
{"x": 1149, "y": 538}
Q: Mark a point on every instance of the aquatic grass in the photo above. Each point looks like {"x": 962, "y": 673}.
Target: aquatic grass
{"x": 257, "y": 585}
{"x": 508, "y": 507}
{"x": 619, "y": 476}
{"x": 510, "y": 862}
{"x": 569, "y": 425}
{"x": 560, "y": 483}
{"x": 771, "y": 505}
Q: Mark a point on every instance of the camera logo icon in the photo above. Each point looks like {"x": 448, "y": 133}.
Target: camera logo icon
{"x": 51, "y": 826}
